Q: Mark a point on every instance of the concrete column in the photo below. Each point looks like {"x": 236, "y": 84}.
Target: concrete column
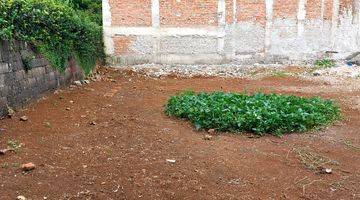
{"x": 155, "y": 19}
{"x": 108, "y": 41}
{"x": 301, "y": 17}
{"x": 334, "y": 22}
{"x": 155, "y": 13}
{"x": 322, "y": 12}
{"x": 356, "y": 19}
{"x": 233, "y": 29}
{"x": 269, "y": 4}
{"x": 234, "y": 11}
{"x": 222, "y": 25}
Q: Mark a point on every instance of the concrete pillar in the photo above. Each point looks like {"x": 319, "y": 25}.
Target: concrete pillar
{"x": 155, "y": 13}
{"x": 222, "y": 25}
{"x": 269, "y": 4}
{"x": 301, "y": 15}
{"x": 108, "y": 41}
{"x": 334, "y": 22}
{"x": 356, "y": 19}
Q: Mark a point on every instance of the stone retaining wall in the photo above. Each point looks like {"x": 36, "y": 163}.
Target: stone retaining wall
{"x": 26, "y": 75}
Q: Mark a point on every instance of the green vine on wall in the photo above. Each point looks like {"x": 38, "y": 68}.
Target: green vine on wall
{"x": 56, "y": 30}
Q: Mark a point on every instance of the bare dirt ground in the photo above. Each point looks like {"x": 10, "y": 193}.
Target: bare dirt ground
{"x": 110, "y": 139}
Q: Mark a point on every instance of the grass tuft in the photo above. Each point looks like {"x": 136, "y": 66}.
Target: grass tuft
{"x": 324, "y": 63}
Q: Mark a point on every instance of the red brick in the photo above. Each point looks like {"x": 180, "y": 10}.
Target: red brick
{"x": 188, "y": 12}
{"x": 130, "y": 12}
{"x": 328, "y": 9}
{"x": 313, "y": 9}
{"x": 345, "y": 5}
{"x": 286, "y": 9}
{"x": 251, "y": 10}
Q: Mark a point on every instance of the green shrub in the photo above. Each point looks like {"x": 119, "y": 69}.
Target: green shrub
{"x": 324, "y": 63}
{"x": 57, "y": 31}
{"x": 258, "y": 113}
{"x": 92, "y": 8}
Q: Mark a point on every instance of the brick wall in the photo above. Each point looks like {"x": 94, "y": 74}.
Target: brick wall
{"x": 18, "y": 86}
{"x": 131, "y": 13}
{"x": 188, "y": 13}
{"x": 218, "y": 31}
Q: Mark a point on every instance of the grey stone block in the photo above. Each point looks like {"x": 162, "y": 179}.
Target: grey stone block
{"x": 2, "y": 80}
{"x": 4, "y": 68}
{"x": 354, "y": 58}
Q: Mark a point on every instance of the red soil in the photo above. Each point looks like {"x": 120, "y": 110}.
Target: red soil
{"x": 114, "y": 141}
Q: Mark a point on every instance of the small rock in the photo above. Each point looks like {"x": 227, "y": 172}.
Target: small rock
{"x": 208, "y": 137}
{"x": 67, "y": 108}
{"x": 71, "y": 101}
{"x": 170, "y": 161}
{"x": 10, "y": 112}
{"x": 28, "y": 167}
{"x": 211, "y": 131}
{"x": 77, "y": 83}
{"x": 93, "y": 123}
{"x": 21, "y": 197}
{"x": 326, "y": 171}
{"x": 86, "y": 81}
{"x": 24, "y": 118}
{"x": 47, "y": 124}
{"x": 316, "y": 74}
{"x": 3, "y": 151}
{"x": 354, "y": 58}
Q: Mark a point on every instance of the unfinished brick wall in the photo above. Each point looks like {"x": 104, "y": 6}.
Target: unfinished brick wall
{"x": 188, "y": 13}
{"x": 218, "y": 31}
{"x": 130, "y": 12}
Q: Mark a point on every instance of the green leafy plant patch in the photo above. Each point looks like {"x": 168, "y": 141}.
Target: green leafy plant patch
{"x": 258, "y": 113}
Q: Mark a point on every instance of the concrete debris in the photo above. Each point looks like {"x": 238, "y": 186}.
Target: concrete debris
{"x": 77, "y": 83}
{"x": 224, "y": 70}
{"x": 342, "y": 70}
{"x": 170, "y": 161}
